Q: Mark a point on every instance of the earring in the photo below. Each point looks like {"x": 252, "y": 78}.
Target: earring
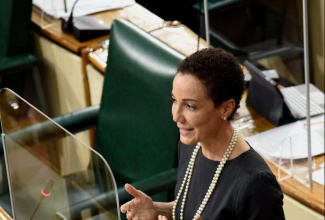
{"x": 224, "y": 118}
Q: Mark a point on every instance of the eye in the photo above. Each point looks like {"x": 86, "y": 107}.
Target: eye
{"x": 173, "y": 99}
{"x": 190, "y": 107}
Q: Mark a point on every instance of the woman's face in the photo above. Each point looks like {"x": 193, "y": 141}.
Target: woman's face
{"x": 193, "y": 110}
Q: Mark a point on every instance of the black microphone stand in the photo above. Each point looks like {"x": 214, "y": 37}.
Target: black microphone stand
{"x": 85, "y": 27}
{"x": 67, "y": 26}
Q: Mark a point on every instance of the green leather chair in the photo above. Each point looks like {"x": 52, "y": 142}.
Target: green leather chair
{"x": 16, "y": 58}
{"x": 135, "y": 132}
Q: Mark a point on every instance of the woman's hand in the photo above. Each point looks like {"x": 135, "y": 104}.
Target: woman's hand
{"x": 141, "y": 207}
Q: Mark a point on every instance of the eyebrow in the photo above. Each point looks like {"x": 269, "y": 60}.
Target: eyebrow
{"x": 187, "y": 100}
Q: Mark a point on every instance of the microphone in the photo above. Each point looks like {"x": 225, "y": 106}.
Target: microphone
{"x": 85, "y": 27}
{"x": 45, "y": 192}
{"x": 68, "y": 25}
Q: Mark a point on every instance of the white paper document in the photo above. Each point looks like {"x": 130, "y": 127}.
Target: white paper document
{"x": 290, "y": 141}
{"x": 56, "y": 8}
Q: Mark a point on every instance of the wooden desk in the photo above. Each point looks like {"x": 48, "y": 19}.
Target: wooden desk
{"x": 179, "y": 37}
{"x": 135, "y": 13}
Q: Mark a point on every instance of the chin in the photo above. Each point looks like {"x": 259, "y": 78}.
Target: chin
{"x": 188, "y": 141}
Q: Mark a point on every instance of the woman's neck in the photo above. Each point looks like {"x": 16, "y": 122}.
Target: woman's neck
{"x": 215, "y": 149}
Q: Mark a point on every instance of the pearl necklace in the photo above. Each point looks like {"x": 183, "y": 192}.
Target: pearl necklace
{"x": 188, "y": 174}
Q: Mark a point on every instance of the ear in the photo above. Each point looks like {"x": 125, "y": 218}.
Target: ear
{"x": 228, "y": 107}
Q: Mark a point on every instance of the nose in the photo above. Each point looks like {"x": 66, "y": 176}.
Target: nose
{"x": 177, "y": 113}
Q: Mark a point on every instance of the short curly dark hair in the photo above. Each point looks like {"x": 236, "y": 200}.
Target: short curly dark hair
{"x": 219, "y": 71}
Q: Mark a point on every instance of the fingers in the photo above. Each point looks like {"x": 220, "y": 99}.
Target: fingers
{"x": 131, "y": 190}
{"x": 160, "y": 217}
{"x": 198, "y": 217}
{"x": 125, "y": 207}
{"x": 129, "y": 215}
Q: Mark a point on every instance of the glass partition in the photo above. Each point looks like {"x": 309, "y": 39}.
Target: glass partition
{"x": 269, "y": 33}
{"x": 286, "y": 147}
{"x": 51, "y": 173}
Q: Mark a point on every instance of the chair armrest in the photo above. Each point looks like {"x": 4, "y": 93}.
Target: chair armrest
{"x": 219, "y": 5}
{"x": 79, "y": 120}
{"x": 74, "y": 122}
{"x": 221, "y": 41}
{"x": 14, "y": 64}
{"x": 278, "y": 52}
{"x": 151, "y": 185}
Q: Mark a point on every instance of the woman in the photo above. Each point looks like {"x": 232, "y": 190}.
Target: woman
{"x": 219, "y": 175}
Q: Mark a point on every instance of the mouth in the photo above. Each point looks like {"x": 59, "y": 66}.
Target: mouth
{"x": 184, "y": 131}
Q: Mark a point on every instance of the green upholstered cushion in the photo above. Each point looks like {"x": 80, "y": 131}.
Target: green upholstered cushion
{"x": 135, "y": 132}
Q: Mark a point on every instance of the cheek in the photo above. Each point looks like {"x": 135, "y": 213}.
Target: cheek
{"x": 205, "y": 121}
{"x": 197, "y": 120}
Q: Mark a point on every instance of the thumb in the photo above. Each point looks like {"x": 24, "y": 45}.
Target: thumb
{"x": 198, "y": 217}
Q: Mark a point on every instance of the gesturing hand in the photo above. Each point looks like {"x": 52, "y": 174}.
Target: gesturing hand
{"x": 141, "y": 207}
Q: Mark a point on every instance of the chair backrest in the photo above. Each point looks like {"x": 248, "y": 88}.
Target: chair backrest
{"x": 135, "y": 132}
{"x": 15, "y": 23}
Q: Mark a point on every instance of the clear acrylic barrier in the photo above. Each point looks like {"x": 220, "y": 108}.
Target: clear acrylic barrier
{"x": 48, "y": 20}
{"x": 287, "y": 148}
{"x": 40, "y": 186}
{"x": 294, "y": 168}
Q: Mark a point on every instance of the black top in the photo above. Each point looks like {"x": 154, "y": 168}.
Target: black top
{"x": 246, "y": 188}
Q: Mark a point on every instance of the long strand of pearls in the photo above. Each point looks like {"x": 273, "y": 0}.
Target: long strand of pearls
{"x": 188, "y": 174}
